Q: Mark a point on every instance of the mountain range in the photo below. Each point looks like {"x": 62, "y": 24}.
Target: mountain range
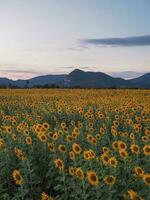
{"x": 82, "y": 79}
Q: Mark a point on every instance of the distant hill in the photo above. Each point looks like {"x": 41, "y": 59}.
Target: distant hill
{"x": 126, "y": 74}
{"x": 93, "y": 79}
{"x": 142, "y": 81}
{"x": 82, "y": 79}
{"x": 41, "y": 80}
{"x": 5, "y": 81}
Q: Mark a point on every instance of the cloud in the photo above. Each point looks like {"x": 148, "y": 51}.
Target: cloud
{"x": 116, "y": 42}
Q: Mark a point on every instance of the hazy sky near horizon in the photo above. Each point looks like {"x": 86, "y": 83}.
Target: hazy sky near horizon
{"x": 55, "y": 36}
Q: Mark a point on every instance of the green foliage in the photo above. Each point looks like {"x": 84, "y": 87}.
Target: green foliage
{"x": 34, "y": 124}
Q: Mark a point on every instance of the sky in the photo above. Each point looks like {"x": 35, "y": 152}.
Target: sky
{"x": 56, "y": 36}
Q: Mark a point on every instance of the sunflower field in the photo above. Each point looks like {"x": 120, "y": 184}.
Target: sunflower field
{"x": 74, "y": 144}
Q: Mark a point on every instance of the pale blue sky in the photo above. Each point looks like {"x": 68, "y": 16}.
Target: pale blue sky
{"x": 46, "y": 36}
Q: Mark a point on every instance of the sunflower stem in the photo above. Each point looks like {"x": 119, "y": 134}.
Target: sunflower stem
{"x": 84, "y": 192}
{"x": 65, "y": 188}
{"x": 109, "y": 193}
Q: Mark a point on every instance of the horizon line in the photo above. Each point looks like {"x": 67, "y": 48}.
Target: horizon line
{"x": 39, "y": 74}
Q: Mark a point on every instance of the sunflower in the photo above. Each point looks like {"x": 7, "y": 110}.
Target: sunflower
{"x": 63, "y": 124}
{"x": 72, "y": 155}
{"x": 91, "y": 129}
{"x": 65, "y": 129}
{"x": 132, "y": 136}
{"x": 62, "y": 148}
{"x": 87, "y": 155}
{"x": 110, "y": 180}
{"x": 60, "y": 132}
{"x": 125, "y": 134}
{"x": 115, "y": 145}
{"x": 105, "y": 159}
{"x": 122, "y": 145}
{"x": 72, "y": 123}
{"x": 117, "y": 117}
{"x": 92, "y": 153}
{"x": 2, "y": 144}
{"x": 105, "y": 150}
{"x": 146, "y": 150}
{"x": 28, "y": 140}
{"x": 98, "y": 136}
{"x": 138, "y": 171}
{"x": 79, "y": 173}
{"x": 90, "y": 124}
{"x": 59, "y": 164}
{"x": 8, "y": 129}
{"x": 76, "y": 148}
{"x": 43, "y": 129}
{"x": 69, "y": 138}
{"x": 113, "y": 161}
{"x": 92, "y": 178}
{"x": 51, "y": 146}
{"x": 76, "y": 131}
{"x": 71, "y": 170}
{"x": 89, "y": 138}
{"x": 18, "y": 129}
{"x": 19, "y": 154}
{"x": 94, "y": 141}
{"x": 116, "y": 123}
{"x": 146, "y": 179}
{"x": 113, "y": 132}
{"x": 55, "y": 136}
{"x": 135, "y": 149}
{"x": 26, "y": 131}
{"x": 136, "y": 128}
{"x": 45, "y": 196}
{"x": 42, "y": 136}
{"x": 46, "y": 125}
{"x": 123, "y": 153}
{"x": 80, "y": 125}
{"x": 132, "y": 194}
{"x": 145, "y": 138}
{"x": 17, "y": 177}
{"x": 147, "y": 132}
{"x": 102, "y": 130}
{"x": 74, "y": 135}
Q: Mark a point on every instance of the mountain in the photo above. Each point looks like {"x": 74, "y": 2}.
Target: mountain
{"x": 36, "y": 81}
{"x": 142, "y": 81}
{"x": 93, "y": 79}
{"x": 41, "y": 80}
{"x": 126, "y": 74}
{"x": 5, "y": 81}
{"x": 79, "y": 78}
